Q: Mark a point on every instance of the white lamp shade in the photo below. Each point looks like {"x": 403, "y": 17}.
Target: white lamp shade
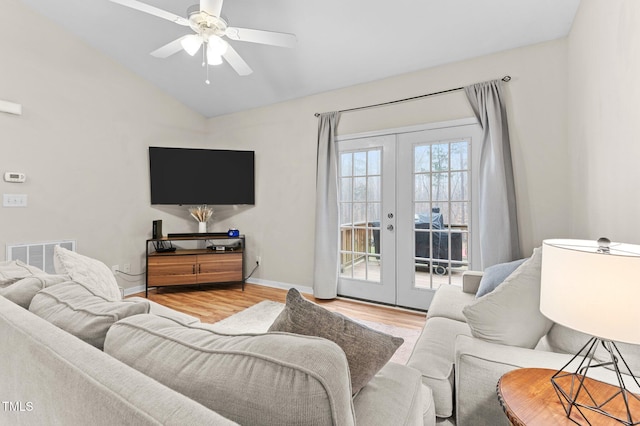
{"x": 595, "y": 293}
{"x": 191, "y": 44}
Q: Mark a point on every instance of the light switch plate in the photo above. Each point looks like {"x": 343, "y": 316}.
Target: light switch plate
{"x": 14, "y": 200}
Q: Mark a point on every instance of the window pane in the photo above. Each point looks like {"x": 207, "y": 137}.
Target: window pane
{"x": 459, "y": 186}
{"x": 422, "y": 209}
{"x": 443, "y": 209}
{"x": 459, "y": 156}
{"x": 359, "y": 163}
{"x": 460, "y": 214}
{"x": 374, "y": 162}
{"x": 440, "y": 186}
{"x": 421, "y": 189}
{"x": 360, "y": 189}
{"x": 373, "y": 217}
{"x": 345, "y": 214}
{"x": 440, "y": 157}
{"x": 359, "y": 213}
{"x": 346, "y": 163}
{"x": 345, "y": 189}
{"x": 422, "y": 158}
{"x": 373, "y": 189}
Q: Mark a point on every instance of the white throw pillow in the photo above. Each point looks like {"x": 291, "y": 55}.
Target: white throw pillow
{"x": 78, "y": 310}
{"x": 91, "y": 272}
{"x": 510, "y": 314}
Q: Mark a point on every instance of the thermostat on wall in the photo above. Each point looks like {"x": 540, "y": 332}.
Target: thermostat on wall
{"x": 14, "y": 177}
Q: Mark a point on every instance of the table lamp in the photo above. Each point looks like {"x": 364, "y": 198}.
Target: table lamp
{"x": 594, "y": 287}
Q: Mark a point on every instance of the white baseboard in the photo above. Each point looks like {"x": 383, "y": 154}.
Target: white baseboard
{"x": 277, "y": 284}
{"x": 266, "y": 283}
{"x": 133, "y": 290}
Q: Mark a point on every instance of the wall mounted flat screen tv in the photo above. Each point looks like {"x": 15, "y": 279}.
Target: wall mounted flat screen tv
{"x": 201, "y": 176}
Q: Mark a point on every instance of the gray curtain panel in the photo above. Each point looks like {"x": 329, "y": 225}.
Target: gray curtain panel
{"x": 326, "y": 267}
{"x": 499, "y": 239}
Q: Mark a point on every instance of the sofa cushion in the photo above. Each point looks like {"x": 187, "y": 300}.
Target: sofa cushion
{"x": 267, "y": 379}
{"x": 395, "y": 396}
{"x": 510, "y": 315}
{"x": 86, "y": 270}
{"x": 80, "y": 311}
{"x": 15, "y": 270}
{"x": 494, "y": 275}
{"x": 22, "y": 291}
{"x": 448, "y": 303}
{"x": 434, "y": 357}
{"x": 163, "y": 311}
{"x": 367, "y": 350}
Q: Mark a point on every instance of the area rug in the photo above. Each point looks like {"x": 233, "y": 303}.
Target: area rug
{"x": 259, "y": 317}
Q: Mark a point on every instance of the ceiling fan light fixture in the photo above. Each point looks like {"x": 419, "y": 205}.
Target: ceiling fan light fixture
{"x": 191, "y": 44}
{"x": 214, "y": 59}
{"x": 216, "y": 46}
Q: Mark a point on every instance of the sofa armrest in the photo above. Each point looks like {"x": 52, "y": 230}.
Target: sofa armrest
{"x": 479, "y": 365}
{"x": 471, "y": 281}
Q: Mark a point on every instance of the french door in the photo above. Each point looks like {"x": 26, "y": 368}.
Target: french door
{"x": 406, "y": 212}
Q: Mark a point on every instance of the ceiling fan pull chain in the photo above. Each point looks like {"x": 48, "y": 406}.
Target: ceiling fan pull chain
{"x": 206, "y": 60}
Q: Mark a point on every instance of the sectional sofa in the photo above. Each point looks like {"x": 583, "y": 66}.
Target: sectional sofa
{"x": 73, "y": 355}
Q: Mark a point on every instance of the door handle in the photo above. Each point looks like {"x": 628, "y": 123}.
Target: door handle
{"x": 194, "y": 269}
{"x": 390, "y": 227}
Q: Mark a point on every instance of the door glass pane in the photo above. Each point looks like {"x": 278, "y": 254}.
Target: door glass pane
{"x": 360, "y": 214}
{"x": 441, "y": 212}
{"x": 359, "y": 163}
{"x": 422, "y": 188}
{"x": 346, "y": 164}
{"x": 422, "y": 158}
{"x": 374, "y": 192}
{"x": 345, "y": 189}
{"x": 459, "y": 156}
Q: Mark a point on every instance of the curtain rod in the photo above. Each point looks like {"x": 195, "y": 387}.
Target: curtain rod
{"x": 506, "y": 78}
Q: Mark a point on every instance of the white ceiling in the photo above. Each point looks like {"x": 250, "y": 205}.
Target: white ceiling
{"x": 340, "y": 42}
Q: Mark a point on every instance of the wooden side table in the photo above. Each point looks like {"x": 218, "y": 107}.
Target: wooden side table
{"x": 528, "y": 398}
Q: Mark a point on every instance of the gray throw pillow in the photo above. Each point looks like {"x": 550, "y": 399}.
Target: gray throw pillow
{"x": 79, "y": 310}
{"x": 15, "y": 270}
{"x": 21, "y": 292}
{"x": 367, "y": 350}
{"x": 494, "y": 275}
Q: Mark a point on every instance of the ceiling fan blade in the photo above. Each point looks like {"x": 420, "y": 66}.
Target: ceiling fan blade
{"x": 263, "y": 37}
{"x": 212, "y": 7}
{"x": 236, "y": 62}
{"x": 169, "y": 49}
{"x": 151, "y": 10}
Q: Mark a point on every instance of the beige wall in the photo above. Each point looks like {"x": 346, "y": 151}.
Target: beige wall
{"x": 82, "y": 141}
{"x": 604, "y": 119}
{"x": 280, "y": 227}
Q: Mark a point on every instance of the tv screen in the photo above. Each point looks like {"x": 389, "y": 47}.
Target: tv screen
{"x": 201, "y": 176}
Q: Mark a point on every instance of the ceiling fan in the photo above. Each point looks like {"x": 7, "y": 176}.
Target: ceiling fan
{"x": 209, "y": 29}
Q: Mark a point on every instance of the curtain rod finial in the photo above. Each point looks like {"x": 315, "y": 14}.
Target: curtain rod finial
{"x": 317, "y": 114}
{"x": 506, "y": 78}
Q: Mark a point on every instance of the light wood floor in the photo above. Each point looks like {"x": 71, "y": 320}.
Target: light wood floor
{"x": 214, "y": 303}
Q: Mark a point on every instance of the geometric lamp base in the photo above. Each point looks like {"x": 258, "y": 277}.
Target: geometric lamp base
{"x": 576, "y": 393}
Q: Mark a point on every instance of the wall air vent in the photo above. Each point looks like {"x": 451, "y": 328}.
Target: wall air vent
{"x": 39, "y": 255}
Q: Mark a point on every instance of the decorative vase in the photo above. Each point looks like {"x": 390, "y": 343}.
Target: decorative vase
{"x": 202, "y": 226}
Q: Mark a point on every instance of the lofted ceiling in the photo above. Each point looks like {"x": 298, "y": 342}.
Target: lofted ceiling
{"x": 340, "y": 42}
